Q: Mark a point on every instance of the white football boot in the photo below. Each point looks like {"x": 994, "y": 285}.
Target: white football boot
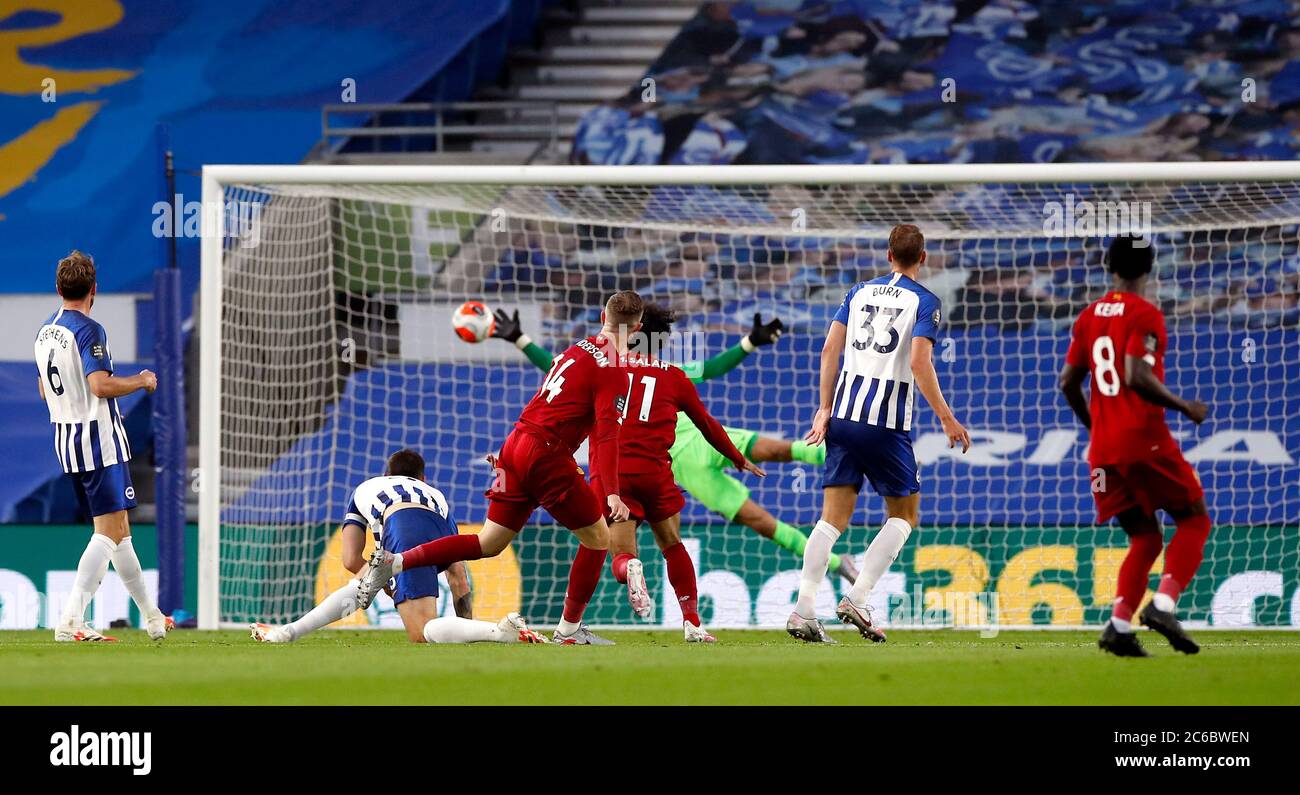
{"x": 696, "y": 634}
{"x": 638, "y": 595}
{"x": 265, "y": 633}
{"x": 159, "y": 626}
{"x": 517, "y": 630}
{"x": 373, "y": 578}
{"x": 83, "y": 633}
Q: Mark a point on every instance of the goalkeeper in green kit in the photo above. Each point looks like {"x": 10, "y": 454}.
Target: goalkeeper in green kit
{"x": 697, "y": 467}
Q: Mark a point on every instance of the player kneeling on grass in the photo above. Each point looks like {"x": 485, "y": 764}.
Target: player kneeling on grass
{"x": 657, "y": 391}
{"x": 1136, "y": 464}
{"x": 401, "y": 510}
{"x": 582, "y": 395}
{"x": 885, "y": 331}
{"x": 76, "y": 380}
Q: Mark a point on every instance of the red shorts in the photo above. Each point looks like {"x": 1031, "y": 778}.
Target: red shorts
{"x": 1165, "y": 482}
{"x": 649, "y": 496}
{"x": 531, "y": 472}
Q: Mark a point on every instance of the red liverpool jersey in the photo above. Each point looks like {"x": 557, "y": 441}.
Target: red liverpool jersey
{"x": 656, "y": 391}
{"x": 1125, "y": 427}
{"x": 582, "y": 395}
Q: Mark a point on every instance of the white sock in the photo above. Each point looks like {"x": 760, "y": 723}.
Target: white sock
{"x": 90, "y": 572}
{"x": 816, "y": 556}
{"x": 397, "y": 564}
{"x": 335, "y": 607}
{"x": 127, "y": 566}
{"x": 567, "y": 627}
{"x": 880, "y": 555}
{"x": 1121, "y": 626}
{"x": 1163, "y": 602}
{"x": 454, "y": 629}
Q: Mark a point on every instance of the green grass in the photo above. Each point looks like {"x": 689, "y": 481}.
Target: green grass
{"x": 747, "y": 667}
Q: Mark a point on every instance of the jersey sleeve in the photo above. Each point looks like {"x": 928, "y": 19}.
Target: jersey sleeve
{"x": 718, "y": 365}
{"x": 539, "y": 356}
{"x": 712, "y": 430}
{"x": 842, "y": 314}
{"x": 1077, "y": 355}
{"x": 353, "y": 516}
{"x": 611, "y": 401}
{"x": 928, "y": 316}
{"x": 1146, "y": 335}
{"x": 93, "y": 343}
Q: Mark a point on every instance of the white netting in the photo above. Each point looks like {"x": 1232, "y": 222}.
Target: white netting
{"x": 337, "y": 349}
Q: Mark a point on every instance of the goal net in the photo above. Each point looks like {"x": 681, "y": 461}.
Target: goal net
{"x": 327, "y": 344}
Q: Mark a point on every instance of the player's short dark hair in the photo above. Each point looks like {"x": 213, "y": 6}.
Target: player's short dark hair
{"x": 1130, "y": 257}
{"x": 406, "y": 463}
{"x": 624, "y": 308}
{"x": 906, "y": 244}
{"x": 656, "y": 324}
{"x": 75, "y": 276}
{"x": 657, "y": 319}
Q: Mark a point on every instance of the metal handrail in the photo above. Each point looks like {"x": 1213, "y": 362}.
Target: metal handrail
{"x": 547, "y": 133}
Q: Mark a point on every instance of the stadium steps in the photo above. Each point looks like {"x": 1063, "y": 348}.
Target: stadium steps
{"x": 586, "y": 53}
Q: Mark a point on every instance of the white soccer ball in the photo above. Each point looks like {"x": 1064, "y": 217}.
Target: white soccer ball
{"x": 473, "y": 321}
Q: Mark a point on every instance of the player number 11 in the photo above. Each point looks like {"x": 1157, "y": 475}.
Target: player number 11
{"x": 647, "y": 396}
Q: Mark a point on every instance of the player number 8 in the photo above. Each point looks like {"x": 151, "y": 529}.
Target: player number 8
{"x": 1103, "y": 366}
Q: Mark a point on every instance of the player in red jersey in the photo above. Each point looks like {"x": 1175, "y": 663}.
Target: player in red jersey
{"x": 1136, "y": 465}
{"x": 657, "y": 391}
{"x": 584, "y": 390}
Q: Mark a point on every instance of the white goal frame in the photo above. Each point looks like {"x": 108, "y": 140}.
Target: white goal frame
{"x": 216, "y": 177}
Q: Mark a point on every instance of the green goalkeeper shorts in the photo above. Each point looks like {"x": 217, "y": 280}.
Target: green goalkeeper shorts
{"x": 702, "y": 471}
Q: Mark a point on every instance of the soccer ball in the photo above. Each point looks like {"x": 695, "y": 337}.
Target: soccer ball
{"x": 473, "y": 321}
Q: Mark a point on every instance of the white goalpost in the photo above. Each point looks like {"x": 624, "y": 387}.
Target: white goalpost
{"x": 326, "y": 343}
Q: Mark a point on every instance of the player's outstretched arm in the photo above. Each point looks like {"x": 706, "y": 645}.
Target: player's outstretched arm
{"x": 462, "y": 600}
{"x": 713, "y": 431}
{"x": 1071, "y": 383}
{"x": 927, "y": 380}
{"x": 1139, "y": 377}
{"x": 104, "y": 385}
{"x": 832, "y": 351}
{"x": 508, "y": 328}
{"x": 761, "y": 334}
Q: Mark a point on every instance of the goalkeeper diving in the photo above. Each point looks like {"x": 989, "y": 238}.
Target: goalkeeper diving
{"x": 402, "y": 510}
{"x": 697, "y": 467}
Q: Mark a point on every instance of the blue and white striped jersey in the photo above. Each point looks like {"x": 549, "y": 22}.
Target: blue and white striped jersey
{"x": 372, "y": 500}
{"x": 88, "y": 431}
{"x": 882, "y": 315}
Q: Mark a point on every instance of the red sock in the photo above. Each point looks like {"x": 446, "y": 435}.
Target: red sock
{"x": 1143, "y": 549}
{"x": 442, "y": 552}
{"x": 1184, "y": 553}
{"x": 583, "y": 577}
{"x": 619, "y": 566}
{"x": 681, "y": 573}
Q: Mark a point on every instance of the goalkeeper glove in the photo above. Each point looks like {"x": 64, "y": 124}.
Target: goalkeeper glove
{"x": 765, "y": 333}
{"x": 507, "y": 327}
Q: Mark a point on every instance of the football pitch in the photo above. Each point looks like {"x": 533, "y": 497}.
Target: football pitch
{"x": 649, "y": 667}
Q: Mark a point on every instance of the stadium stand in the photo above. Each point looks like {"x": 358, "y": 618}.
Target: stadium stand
{"x": 84, "y": 169}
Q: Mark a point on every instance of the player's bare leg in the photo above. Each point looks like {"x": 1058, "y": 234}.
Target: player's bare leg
{"x": 1182, "y": 557}
{"x": 881, "y": 554}
{"x": 786, "y": 536}
{"x": 1145, "y": 542}
{"x": 838, "y": 503}
{"x": 681, "y": 575}
{"x": 627, "y": 566}
{"x": 442, "y": 552}
{"x": 584, "y": 575}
